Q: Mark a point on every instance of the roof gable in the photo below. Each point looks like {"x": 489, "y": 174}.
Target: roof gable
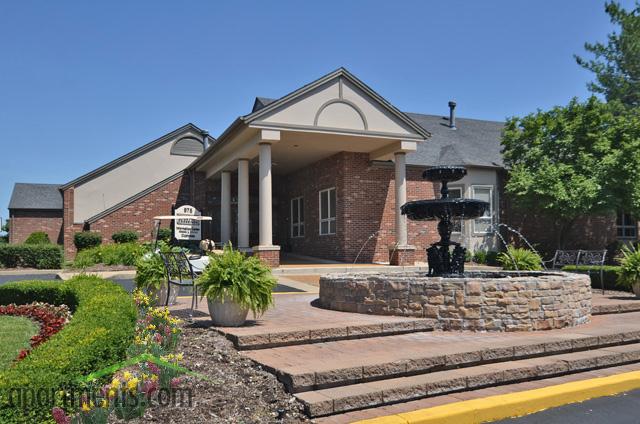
{"x": 337, "y": 101}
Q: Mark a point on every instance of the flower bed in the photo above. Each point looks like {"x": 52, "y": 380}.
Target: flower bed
{"x": 99, "y": 334}
{"x": 51, "y": 319}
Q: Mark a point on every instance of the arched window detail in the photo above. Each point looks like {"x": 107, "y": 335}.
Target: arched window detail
{"x": 187, "y": 146}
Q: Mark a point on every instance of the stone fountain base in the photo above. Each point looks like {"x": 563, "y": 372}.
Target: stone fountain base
{"x": 498, "y": 301}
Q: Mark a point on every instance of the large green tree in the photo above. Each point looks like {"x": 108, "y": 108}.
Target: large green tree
{"x": 617, "y": 63}
{"x": 570, "y": 161}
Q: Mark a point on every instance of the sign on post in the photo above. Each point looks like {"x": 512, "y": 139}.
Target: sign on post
{"x": 185, "y": 228}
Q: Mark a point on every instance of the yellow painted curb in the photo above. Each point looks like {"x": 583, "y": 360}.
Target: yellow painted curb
{"x": 515, "y": 404}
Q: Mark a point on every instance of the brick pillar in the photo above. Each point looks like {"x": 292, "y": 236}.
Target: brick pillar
{"x": 68, "y": 226}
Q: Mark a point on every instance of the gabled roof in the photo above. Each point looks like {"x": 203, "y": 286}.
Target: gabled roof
{"x": 472, "y": 143}
{"x": 343, "y": 73}
{"x": 36, "y": 196}
{"x": 132, "y": 155}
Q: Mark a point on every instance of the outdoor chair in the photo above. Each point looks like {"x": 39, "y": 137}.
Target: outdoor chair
{"x": 179, "y": 272}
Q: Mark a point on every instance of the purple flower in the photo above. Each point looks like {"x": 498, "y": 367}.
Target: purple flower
{"x": 59, "y": 416}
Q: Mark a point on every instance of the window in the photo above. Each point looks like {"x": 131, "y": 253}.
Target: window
{"x": 627, "y": 227}
{"x": 328, "y": 211}
{"x": 456, "y": 193}
{"x": 483, "y": 224}
{"x": 297, "y": 217}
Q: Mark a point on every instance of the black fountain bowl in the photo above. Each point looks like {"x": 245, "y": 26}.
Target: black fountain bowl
{"x": 425, "y": 210}
{"x": 444, "y": 173}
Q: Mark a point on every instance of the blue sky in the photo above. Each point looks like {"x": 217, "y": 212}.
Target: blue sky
{"x": 82, "y": 83}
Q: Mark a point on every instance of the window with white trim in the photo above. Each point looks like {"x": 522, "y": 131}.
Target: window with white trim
{"x": 626, "y": 226}
{"x": 483, "y": 224}
{"x": 297, "y": 217}
{"x": 456, "y": 193}
{"x": 327, "y": 211}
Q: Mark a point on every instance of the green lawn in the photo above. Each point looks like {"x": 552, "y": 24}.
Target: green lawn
{"x": 15, "y": 333}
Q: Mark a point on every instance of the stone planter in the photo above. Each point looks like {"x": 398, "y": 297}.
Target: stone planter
{"x": 227, "y": 313}
{"x": 636, "y": 288}
{"x": 161, "y": 294}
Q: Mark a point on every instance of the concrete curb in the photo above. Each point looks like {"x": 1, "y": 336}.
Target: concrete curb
{"x": 515, "y": 404}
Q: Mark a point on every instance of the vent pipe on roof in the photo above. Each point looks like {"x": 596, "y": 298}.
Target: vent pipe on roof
{"x": 452, "y": 115}
{"x": 205, "y": 139}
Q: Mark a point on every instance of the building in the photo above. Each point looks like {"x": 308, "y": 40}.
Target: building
{"x": 319, "y": 172}
{"x": 125, "y": 193}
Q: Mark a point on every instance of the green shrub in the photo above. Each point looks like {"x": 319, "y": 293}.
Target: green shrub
{"x": 629, "y": 272}
{"x": 38, "y": 237}
{"x": 164, "y": 234}
{"x": 126, "y": 236}
{"x": 246, "y": 280}
{"x": 86, "y": 239}
{"x": 609, "y": 275}
{"x": 480, "y": 256}
{"x": 109, "y": 254}
{"x": 40, "y": 256}
{"x": 520, "y": 259}
{"x": 97, "y": 336}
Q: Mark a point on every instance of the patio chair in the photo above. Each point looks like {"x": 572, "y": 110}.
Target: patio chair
{"x": 179, "y": 272}
{"x": 593, "y": 258}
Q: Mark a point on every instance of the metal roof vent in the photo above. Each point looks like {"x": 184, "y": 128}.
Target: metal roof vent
{"x": 452, "y": 115}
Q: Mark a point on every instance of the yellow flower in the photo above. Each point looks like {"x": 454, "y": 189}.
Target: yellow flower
{"x": 104, "y": 403}
{"x": 132, "y": 384}
{"x": 111, "y": 394}
{"x": 180, "y": 356}
{"x": 127, "y": 376}
{"x": 115, "y": 383}
{"x": 154, "y": 377}
{"x": 87, "y": 407}
{"x": 151, "y": 327}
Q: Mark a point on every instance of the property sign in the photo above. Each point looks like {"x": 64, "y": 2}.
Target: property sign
{"x": 185, "y": 228}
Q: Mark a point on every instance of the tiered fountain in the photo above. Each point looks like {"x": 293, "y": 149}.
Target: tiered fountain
{"x": 448, "y": 297}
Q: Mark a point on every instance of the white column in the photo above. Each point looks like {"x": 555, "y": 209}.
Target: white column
{"x": 266, "y": 207}
{"x": 243, "y": 203}
{"x": 225, "y": 207}
{"x": 401, "y": 197}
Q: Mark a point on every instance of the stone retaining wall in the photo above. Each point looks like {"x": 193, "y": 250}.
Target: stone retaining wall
{"x": 532, "y": 301}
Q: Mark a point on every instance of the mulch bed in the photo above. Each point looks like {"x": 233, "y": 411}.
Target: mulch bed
{"x": 238, "y": 390}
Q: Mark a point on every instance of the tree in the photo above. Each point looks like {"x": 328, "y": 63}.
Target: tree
{"x": 571, "y": 161}
{"x": 4, "y": 228}
{"x": 617, "y": 63}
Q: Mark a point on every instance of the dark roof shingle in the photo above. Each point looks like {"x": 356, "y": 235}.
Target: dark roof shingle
{"x": 472, "y": 143}
{"x": 36, "y": 196}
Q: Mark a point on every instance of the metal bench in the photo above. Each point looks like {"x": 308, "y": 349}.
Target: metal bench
{"x": 591, "y": 258}
{"x": 179, "y": 272}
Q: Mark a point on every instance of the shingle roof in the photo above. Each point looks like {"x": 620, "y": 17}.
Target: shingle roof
{"x": 36, "y": 196}
{"x": 261, "y": 102}
{"x": 472, "y": 143}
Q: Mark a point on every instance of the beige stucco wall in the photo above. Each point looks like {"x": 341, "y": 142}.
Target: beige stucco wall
{"x": 482, "y": 177}
{"x": 128, "y": 179}
{"x": 349, "y": 108}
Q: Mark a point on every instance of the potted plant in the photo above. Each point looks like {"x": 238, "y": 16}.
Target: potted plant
{"x": 152, "y": 278}
{"x": 235, "y": 284}
{"x": 629, "y": 272}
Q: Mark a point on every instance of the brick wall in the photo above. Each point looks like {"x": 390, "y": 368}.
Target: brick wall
{"x": 24, "y": 222}
{"x": 138, "y": 215}
{"x": 365, "y": 209}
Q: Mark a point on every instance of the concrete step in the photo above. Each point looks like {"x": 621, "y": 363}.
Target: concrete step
{"x": 339, "y": 363}
{"x": 393, "y": 390}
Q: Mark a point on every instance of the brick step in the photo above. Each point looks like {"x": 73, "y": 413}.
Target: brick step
{"x": 394, "y": 390}
{"x": 324, "y": 333}
{"x": 339, "y": 363}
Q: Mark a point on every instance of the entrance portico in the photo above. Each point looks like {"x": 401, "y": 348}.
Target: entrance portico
{"x": 291, "y": 143}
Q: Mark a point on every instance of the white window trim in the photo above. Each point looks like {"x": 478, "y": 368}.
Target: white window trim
{"x": 461, "y": 188}
{"x": 633, "y": 225}
{"x": 491, "y": 196}
{"x": 300, "y": 223}
{"x": 330, "y": 219}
